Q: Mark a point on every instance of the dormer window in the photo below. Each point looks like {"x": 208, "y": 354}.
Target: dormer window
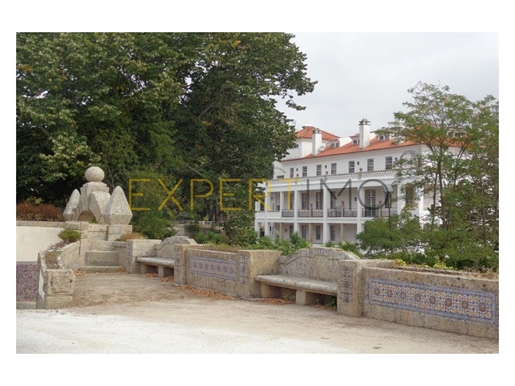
{"x": 384, "y": 137}
{"x": 355, "y": 141}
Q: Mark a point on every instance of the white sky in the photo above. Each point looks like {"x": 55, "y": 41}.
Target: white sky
{"x": 367, "y": 75}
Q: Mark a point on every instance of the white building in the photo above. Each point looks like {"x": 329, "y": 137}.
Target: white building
{"x": 327, "y": 187}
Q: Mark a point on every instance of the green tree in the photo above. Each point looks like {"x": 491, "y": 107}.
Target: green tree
{"x": 399, "y": 233}
{"x": 458, "y": 167}
{"x": 183, "y": 105}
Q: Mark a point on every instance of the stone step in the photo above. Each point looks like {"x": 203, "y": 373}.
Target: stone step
{"x": 102, "y": 258}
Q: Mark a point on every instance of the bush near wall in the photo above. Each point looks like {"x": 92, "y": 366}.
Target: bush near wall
{"x": 28, "y": 211}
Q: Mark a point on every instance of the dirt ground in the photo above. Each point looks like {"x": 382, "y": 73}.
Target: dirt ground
{"x": 124, "y": 313}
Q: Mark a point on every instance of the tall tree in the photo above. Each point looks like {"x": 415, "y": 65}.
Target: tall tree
{"x": 459, "y": 167}
{"x": 184, "y": 105}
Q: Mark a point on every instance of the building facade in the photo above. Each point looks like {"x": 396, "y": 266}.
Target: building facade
{"x": 327, "y": 187}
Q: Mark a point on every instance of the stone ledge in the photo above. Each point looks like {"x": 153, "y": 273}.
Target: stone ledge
{"x": 48, "y": 224}
{"x": 311, "y": 285}
{"x": 160, "y": 261}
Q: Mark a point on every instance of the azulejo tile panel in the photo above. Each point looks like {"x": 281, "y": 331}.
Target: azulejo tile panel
{"x": 347, "y": 285}
{"x": 27, "y": 275}
{"x": 243, "y": 269}
{"x": 456, "y": 303}
{"x": 213, "y": 267}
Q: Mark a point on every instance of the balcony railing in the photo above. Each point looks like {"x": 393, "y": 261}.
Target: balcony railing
{"x": 344, "y": 176}
{"x": 304, "y": 213}
{"x": 377, "y": 212}
{"x": 338, "y": 212}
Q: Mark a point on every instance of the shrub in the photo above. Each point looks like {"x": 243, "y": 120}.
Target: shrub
{"x": 131, "y": 236}
{"x": 210, "y": 237}
{"x": 350, "y": 247}
{"x": 69, "y": 236}
{"x": 153, "y": 224}
{"x": 28, "y": 211}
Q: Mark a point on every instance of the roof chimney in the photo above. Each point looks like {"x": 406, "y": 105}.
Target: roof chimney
{"x": 316, "y": 141}
{"x": 364, "y": 133}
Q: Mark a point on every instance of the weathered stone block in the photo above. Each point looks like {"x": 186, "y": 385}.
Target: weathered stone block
{"x": 71, "y": 207}
{"x": 117, "y": 210}
{"x": 60, "y": 282}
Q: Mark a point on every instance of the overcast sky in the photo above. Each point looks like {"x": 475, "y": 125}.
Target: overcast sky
{"x": 367, "y": 75}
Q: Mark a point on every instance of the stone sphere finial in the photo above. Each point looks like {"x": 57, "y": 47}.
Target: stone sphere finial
{"x": 94, "y": 174}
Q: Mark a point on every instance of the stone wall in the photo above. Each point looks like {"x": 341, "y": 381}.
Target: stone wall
{"x": 229, "y": 272}
{"x": 56, "y": 285}
{"x": 442, "y": 301}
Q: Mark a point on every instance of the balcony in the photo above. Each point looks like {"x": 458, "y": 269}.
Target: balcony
{"x": 339, "y": 212}
{"x": 377, "y": 212}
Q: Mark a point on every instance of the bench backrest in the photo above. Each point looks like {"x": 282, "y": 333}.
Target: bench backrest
{"x": 315, "y": 263}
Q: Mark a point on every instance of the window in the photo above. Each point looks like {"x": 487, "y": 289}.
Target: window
{"x": 304, "y": 171}
{"x": 409, "y": 196}
{"x": 388, "y": 162}
{"x": 370, "y": 165}
{"x": 304, "y": 198}
{"x": 318, "y": 200}
{"x": 280, "y": 177}
{"x": 384, "y": 137}
{"x": 333, "y": 168}
{"x": 355, "y": 141}
{"x": 318, "y": 234}
{"x": 351, "y": 166}
{"x": 291, "y": 172}
{"x": 370, "y": 203}
{"x": 319, "y": 170}
{"x": 291, "y": 201}
{"x": 304, "y": 231}
{"x": 333, "y": 201}
{"x": 333, "y": 233}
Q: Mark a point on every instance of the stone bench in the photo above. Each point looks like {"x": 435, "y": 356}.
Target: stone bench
{"x": 163, "y": 265}
{"x": 306, "y": 290}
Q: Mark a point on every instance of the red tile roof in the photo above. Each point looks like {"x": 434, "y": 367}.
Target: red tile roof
{"x": 307, "y": 132}
{"x": 375, "y": 144}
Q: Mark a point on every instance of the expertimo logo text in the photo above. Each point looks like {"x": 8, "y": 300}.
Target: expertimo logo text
{"x": 253, "y": 196}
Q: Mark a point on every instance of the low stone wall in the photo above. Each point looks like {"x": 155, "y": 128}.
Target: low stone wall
{"x": 230, "y": 272}
{"x": 139, "y": 248}
{"x": 70, "y": 255}
{"x": 56, "y": 285}
{"x": 447, "y": 302}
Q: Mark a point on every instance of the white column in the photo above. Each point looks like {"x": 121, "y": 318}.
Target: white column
{"x": 325, "y": 232}
{"x": 359, "y": 210}
{"x": 326, "y": 204}
{"x": 281, "y": 201}
{"x": 296, "y": 206}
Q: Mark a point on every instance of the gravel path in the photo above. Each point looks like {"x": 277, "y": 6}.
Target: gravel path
{"x": 122, "y": 313}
